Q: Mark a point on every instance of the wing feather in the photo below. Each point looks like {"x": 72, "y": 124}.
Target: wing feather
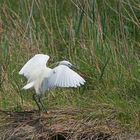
{"x": 34, "y": 66}
{"x": 63, "y": 76}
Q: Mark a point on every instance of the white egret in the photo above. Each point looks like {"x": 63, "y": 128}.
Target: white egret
{"x": 42, "y": 78}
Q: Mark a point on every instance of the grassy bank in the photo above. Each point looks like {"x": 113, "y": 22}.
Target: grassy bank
{"x": 100, "y": 37}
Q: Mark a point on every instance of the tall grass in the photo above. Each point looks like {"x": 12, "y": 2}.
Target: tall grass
{"x": 101, "y": 37}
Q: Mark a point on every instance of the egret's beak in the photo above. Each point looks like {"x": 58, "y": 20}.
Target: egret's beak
{"x": 75, "y": 67}
{"x": 57, "y": 63}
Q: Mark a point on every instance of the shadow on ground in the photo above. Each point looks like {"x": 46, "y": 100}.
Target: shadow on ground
{"x": 56, "y": 125}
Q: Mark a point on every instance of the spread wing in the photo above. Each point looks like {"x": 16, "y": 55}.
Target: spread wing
{"x": 63, "y": 76}
{"x": 34, "y": 66}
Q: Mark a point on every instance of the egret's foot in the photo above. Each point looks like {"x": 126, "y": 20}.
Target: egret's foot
{"x": 48, "y": 112}
{"x": 45, "y": 111}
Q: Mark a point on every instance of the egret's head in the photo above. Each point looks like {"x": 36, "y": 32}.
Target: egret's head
{"x": 66, "y": 63}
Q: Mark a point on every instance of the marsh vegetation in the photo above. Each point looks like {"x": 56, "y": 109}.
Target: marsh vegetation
{"x": 102, "y": 37}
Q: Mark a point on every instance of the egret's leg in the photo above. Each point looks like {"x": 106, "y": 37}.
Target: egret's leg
{"x": 42, "y": 104}
{"x": 35, "y": 98}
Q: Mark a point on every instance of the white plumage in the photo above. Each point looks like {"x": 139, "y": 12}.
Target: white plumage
{"x": 43, "y": 78}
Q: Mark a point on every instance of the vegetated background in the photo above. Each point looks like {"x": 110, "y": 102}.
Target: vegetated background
{"x": 101, "y": 37}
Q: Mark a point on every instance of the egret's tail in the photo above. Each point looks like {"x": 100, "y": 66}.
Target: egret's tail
{"x": 29, "y": 85}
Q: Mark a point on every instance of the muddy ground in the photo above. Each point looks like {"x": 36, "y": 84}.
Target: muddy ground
{"x": 56, "y": 125}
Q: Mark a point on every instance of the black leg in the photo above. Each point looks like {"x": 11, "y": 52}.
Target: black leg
{"x": 37, "y": 101}
{"x": 42, "y": 104}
